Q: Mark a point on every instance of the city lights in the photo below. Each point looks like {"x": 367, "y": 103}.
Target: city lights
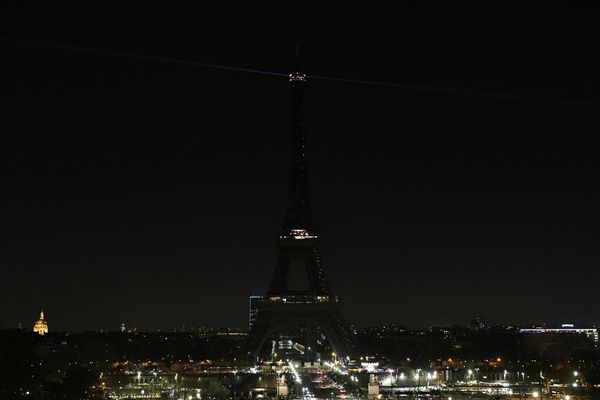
{"x": 162, "y": 209}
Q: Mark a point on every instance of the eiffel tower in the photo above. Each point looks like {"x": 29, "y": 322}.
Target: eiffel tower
{"x": 299, "y": 314}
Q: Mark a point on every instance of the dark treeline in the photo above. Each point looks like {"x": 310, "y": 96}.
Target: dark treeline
{"x": 66, "y": 365}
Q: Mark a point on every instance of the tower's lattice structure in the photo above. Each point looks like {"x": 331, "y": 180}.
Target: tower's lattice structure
{"x": 299, "y": 307}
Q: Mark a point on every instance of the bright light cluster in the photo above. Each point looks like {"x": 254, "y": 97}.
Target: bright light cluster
{"x": 295, "y": 372}
{"x": 41, "y": 327}
{"x": 299, "y": 234}
{"x": 297, "y": 76}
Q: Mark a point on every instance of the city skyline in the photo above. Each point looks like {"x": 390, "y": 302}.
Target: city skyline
{"x": 152, "y": 194}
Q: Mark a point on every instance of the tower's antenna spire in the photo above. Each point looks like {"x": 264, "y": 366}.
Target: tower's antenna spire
{"x": 298, "y": 72}
{"x": 298, "y": 214}
{"x": 297, "y": 54}
{"x": 298, "y": 59}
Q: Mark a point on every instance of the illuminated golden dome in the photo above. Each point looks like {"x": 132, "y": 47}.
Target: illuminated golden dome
{"x": 41, "y": 327}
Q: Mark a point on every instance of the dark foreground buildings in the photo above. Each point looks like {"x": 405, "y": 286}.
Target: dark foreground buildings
{"x": 66, "y": 365}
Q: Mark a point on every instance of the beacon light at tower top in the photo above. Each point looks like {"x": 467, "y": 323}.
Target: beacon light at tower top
{"x": 297, "y": 76}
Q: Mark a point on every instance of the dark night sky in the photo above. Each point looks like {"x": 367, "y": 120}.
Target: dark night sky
{"x": 152, "y": 193}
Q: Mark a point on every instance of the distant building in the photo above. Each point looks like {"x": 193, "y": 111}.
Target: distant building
{"x": 564, "y": 340}
{"x": 590, "y": 333}
{"x": 253, "y": 307}
{"x": 41, "y": 327}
